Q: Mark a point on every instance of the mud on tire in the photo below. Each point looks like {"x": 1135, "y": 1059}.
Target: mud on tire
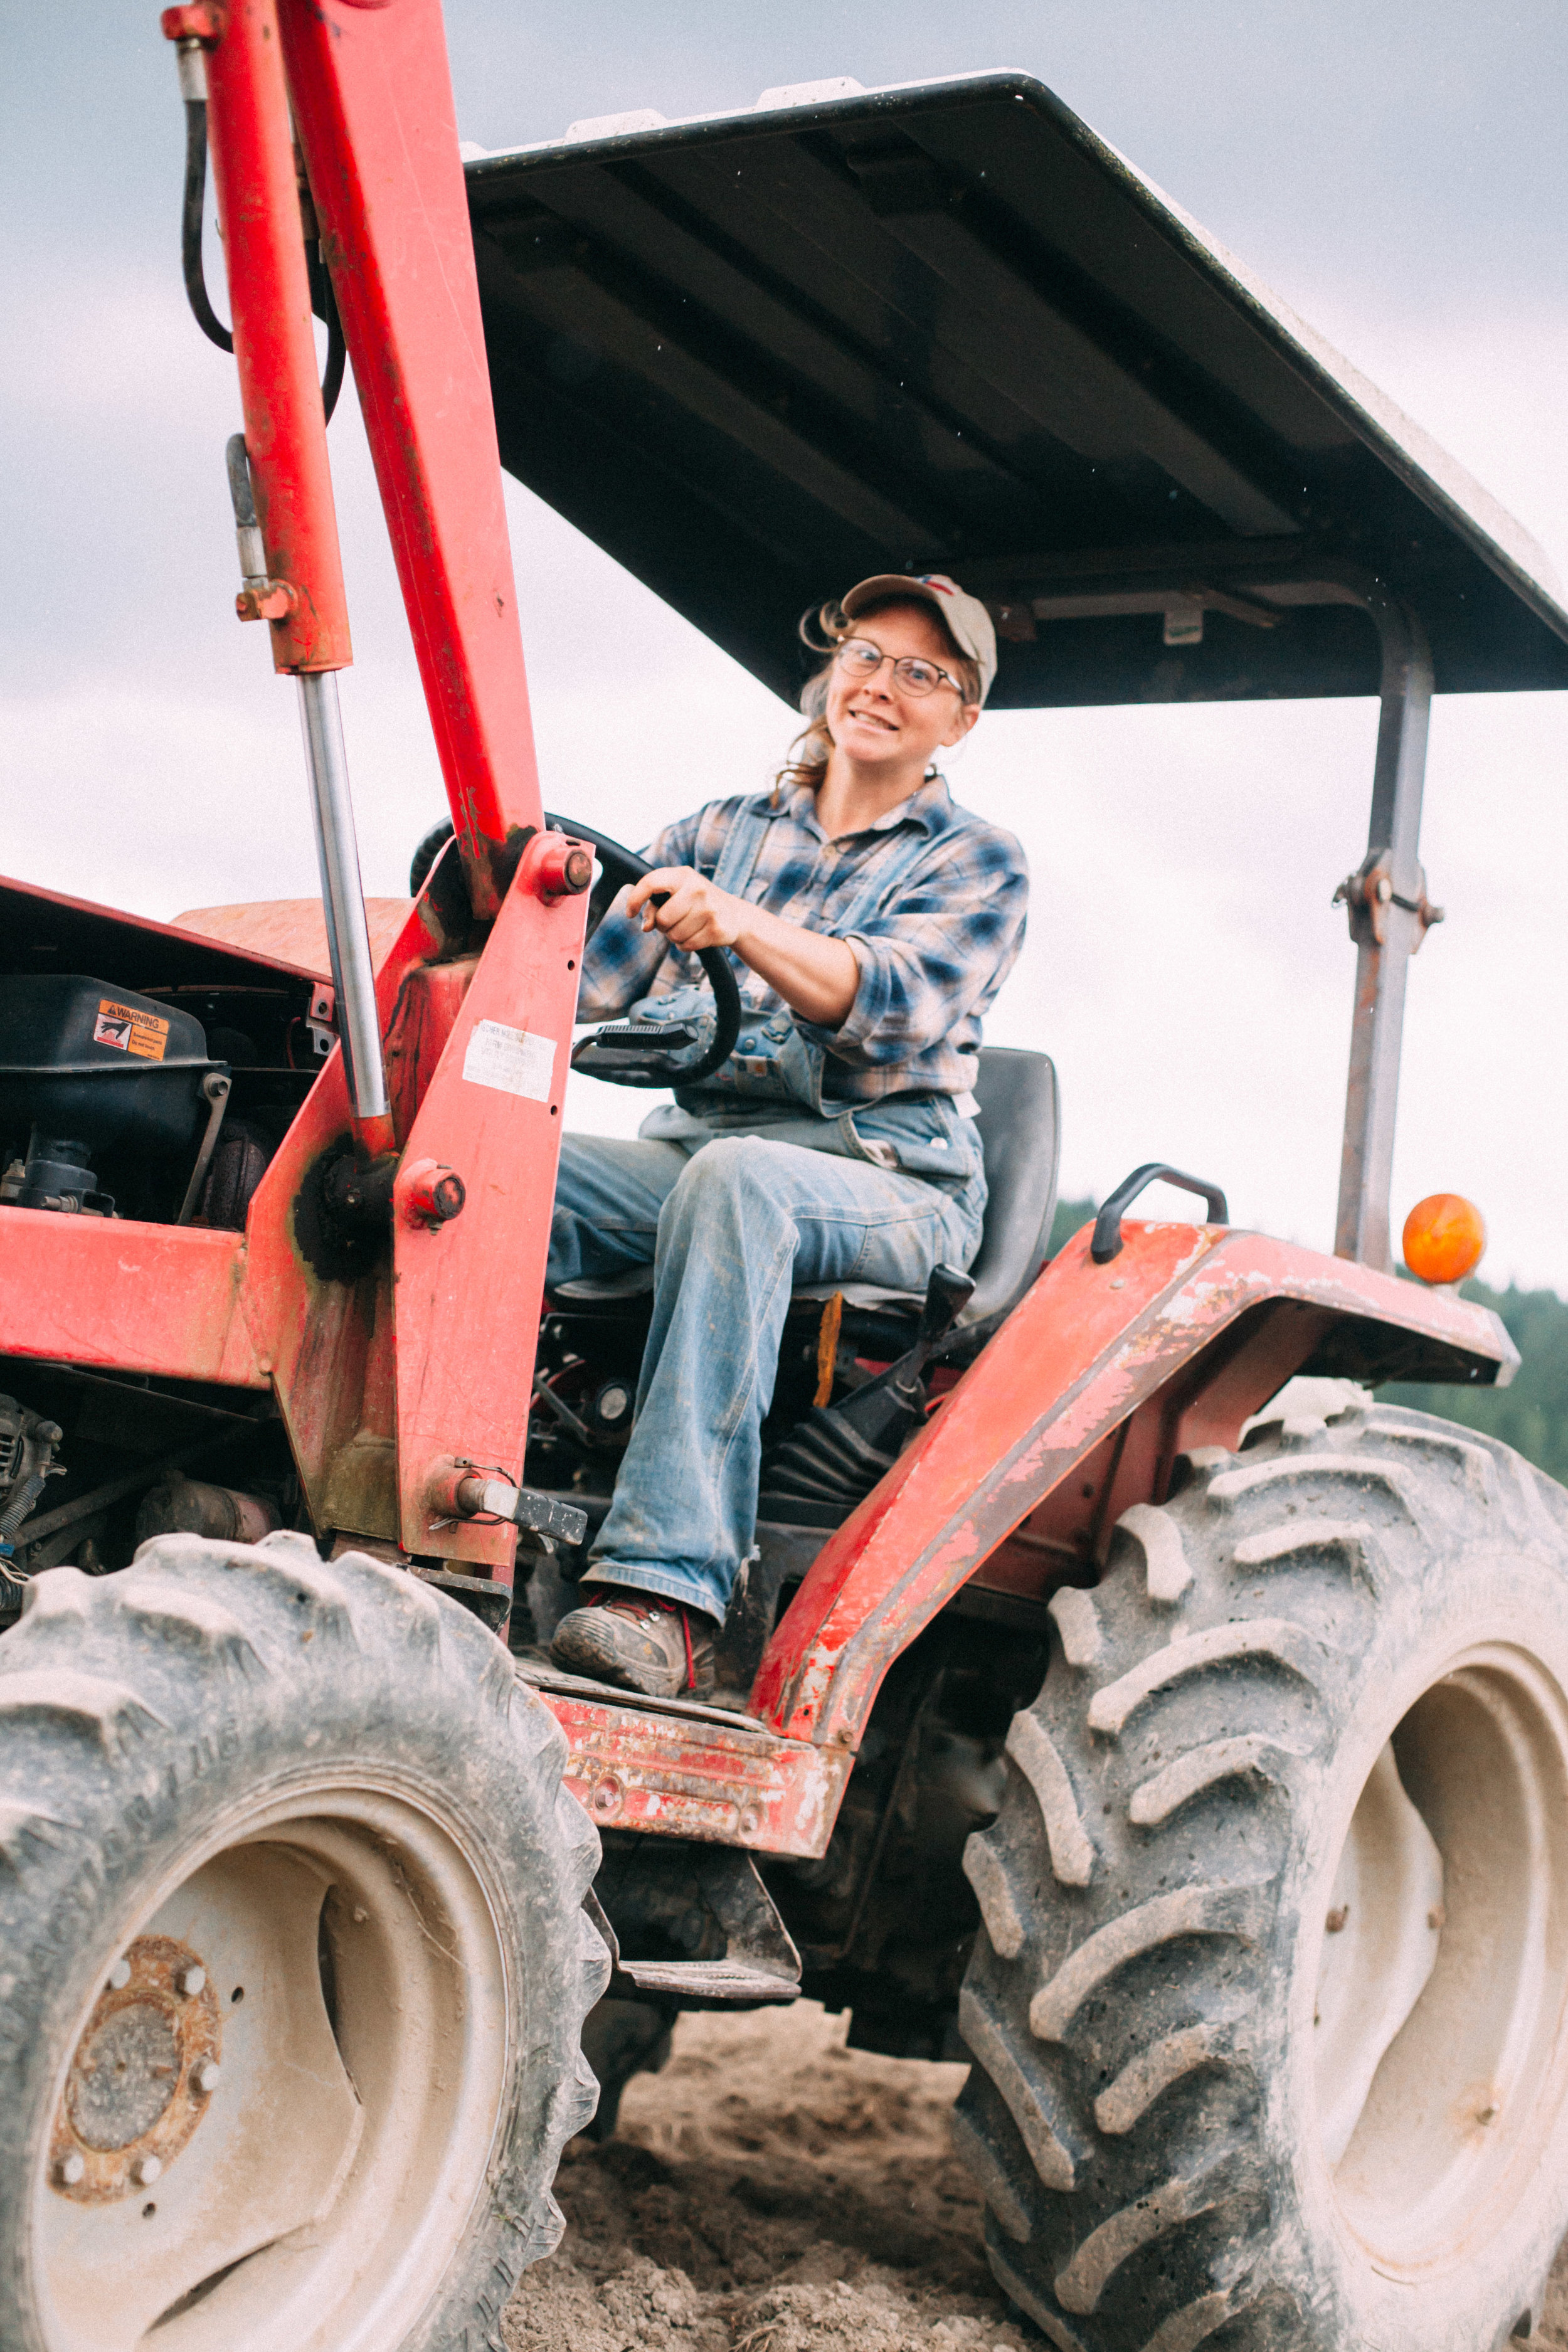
{"x": 1267, "y": 2010}
{"x": 293, "y": 1962}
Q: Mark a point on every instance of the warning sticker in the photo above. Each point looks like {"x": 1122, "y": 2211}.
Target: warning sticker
{"x": 513, "y": 1061}
{"x": 130, "y": 1029}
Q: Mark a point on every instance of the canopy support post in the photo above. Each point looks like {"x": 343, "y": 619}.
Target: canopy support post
{"x": 1389, "y": 915}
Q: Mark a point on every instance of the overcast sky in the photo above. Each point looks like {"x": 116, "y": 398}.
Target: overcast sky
{"x": 1399, "y": 173}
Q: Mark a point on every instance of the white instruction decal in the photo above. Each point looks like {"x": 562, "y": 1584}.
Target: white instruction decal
{"x": 514, "y": 1061}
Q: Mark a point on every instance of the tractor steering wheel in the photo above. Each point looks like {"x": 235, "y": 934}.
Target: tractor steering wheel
{"x": 644, "y": 1053}
{"x": 628, "y": 1054}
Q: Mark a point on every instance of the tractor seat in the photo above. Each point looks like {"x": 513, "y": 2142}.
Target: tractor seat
{"x": 1020, "y": 1137}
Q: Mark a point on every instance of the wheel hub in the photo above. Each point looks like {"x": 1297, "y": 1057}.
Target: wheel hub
{"x": 142, "y": 2076}
{"x": 339, "y": 1967}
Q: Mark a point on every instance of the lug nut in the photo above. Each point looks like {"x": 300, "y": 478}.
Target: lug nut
{"x": 119, "y": 1975}
{"x": 70, "y": 2172}
{"x": 204, "y": 2078}
{"x": 190, "y": 1981}
{"x": 145, "y": 2170}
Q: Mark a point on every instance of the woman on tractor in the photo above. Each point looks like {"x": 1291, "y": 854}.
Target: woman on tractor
{"x": 873, "y": 920}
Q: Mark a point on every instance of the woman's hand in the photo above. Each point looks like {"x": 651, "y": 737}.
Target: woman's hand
{"x": 695, "y": 915}
{"x": 816, "y": 976}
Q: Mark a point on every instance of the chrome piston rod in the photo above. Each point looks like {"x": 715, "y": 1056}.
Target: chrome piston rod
{"x": 342, "y": 894}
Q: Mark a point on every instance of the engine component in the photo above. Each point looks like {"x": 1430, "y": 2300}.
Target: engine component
{"x": 56, "y": 1174}
{"x": 236, "y": 1167}
{"x": 189, "y": 1506}
{"x": 27, "y": 1444}
{"x": 86, "y": 1067}
{"x": 215, "y": 1094}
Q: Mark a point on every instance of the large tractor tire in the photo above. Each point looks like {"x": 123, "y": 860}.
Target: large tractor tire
{"x": 1268, "y": 2011}
{"x": 293, "y": 1960}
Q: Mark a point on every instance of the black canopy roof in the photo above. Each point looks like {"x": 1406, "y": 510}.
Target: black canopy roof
{"x": 946, "y": 327}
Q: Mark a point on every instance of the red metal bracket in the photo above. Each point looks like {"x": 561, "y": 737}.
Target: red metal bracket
{"x": 377, "y": 124}
{"x": 205, "y": 23}
{"x": 274, "y": 601}
{"x": 467, "y": 1292}
{"x": 274, "y": 345}
{"x": 693, "y": 1775}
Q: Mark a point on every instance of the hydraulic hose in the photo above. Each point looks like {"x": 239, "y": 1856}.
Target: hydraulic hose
{"x": 193, "y": 77}
{"x": 190, "y": 222}
{"x": 337, "y": 353}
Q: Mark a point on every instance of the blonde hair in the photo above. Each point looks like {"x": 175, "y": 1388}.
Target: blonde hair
{"x": 824, "y": 629}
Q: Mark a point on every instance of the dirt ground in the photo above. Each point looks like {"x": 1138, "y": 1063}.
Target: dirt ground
{"x": 772, "y": 2192}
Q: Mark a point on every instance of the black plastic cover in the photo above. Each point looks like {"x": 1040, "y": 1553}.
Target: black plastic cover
{"x": 100, "y": 1065}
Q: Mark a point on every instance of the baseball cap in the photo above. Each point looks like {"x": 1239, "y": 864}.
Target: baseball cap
{"x": 965, "y": 618}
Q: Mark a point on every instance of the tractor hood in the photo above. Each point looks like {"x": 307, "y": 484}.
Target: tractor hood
{"x": 945, "y": 328}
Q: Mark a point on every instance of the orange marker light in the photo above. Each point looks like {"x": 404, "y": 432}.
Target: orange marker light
{"x": 1443, "y": 1237}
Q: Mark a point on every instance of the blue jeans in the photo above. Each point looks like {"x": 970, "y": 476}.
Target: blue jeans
{"x": 729, "y": 1226}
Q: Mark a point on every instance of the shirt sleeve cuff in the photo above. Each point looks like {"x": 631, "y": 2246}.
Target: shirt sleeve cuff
{"x": 865, "y": 1014}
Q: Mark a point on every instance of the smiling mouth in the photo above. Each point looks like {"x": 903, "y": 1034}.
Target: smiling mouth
{"x": 873, "y": 719}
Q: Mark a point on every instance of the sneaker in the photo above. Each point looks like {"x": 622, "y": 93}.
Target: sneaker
{"x": 638, "y": 1644}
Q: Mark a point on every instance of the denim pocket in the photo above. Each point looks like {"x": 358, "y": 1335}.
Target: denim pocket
{"x": 927, "y": 1138}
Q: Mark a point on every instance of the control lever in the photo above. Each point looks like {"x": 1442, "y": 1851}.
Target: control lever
{"x": 896, "y": 1391}
{"x": 948, "y": 1293}
{"x": 877, "y": 1410}
{"x": 839, "y": 1451}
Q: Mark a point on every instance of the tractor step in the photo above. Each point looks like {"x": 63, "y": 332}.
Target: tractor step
{"x": 716, "y": 1983}
{"x": 663, "y": 1886}
{"x": 536, "y": 1671}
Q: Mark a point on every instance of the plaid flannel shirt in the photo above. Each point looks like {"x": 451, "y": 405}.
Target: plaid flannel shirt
{"x": 931, "y": 958}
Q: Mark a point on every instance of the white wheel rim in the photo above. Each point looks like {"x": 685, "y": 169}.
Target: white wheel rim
{"x": 312, "y": 2193}
{"x": 1381, "y": 1939}
{"x": 1440, "y": 2077}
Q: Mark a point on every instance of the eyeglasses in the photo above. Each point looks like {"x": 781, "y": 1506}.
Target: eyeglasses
{"x": 860, "y": 660}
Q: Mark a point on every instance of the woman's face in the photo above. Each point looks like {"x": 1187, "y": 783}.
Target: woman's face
{"x": 875, "y": 721}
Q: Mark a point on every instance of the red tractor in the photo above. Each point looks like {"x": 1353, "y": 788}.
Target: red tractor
{"x": 1118, "y": 1694}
